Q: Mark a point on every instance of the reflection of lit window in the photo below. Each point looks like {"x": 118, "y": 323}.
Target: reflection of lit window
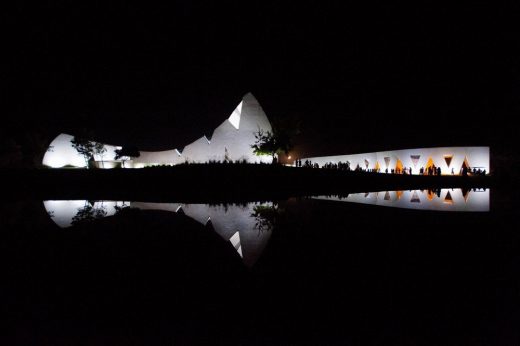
{"x": 477, "y": 202}
{"x": 448, "y": 199}
{"x": 235, "y": 241}
{"x": 415, "y": 198}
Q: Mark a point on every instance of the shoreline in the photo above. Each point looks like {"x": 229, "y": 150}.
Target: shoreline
{"x": 215, "y": 183}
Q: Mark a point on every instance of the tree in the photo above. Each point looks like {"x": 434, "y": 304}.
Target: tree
{"x": 279, "y": 140}
{"x": 89, "y": 213}
{"x": 88, "y": 148}
{"x": 272, "y": 143}
{"x": 265, "y": 144}
{"x": 100, "y": 150}
{"x": 85, "y": 147}
{"x": 267, "y": 216}
{"x": 126, "y": 152}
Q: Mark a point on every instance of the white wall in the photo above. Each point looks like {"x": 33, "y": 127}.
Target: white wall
{"x": 61, "y": 153}
{"x": 476, "y": 156}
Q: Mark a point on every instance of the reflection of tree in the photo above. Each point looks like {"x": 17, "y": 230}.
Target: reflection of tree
{"x": 266, "y": 215}
{"x": 121, "y": 208}
{"x": 89, "y": 213}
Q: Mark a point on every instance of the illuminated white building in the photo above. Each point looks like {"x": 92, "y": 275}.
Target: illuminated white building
{"x": 450, "y": 160}
{"x": 230, "y": 141}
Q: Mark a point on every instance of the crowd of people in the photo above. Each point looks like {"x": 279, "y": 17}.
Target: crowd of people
{"x": 431, "y": 170}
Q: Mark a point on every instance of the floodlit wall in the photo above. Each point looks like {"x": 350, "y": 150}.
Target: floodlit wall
{"x": 447, "y": 158}
{"x": 235, "y": 142}
{"x": 197, "y": 151}
{"x": 149, "y": 158}
{"x": 230, "y": 141}
{"x": 61, "y": 153}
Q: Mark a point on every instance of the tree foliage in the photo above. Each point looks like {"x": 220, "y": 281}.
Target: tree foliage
{"x": 89, "y": 213}
{"x": 267, "y": 216}
{"x": 84, "y": 147}
{"x": 100, "y": 150}
{"x": 88, "y": 148}
{"x": 278, "y": 141}
{"x": 265, "y": 143}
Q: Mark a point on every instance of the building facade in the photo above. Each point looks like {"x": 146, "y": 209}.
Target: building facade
{"x": 449, "y": 160}
{"x": 230, "y": 141}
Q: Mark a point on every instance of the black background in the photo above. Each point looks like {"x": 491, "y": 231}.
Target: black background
{"x": 359, "y": 76}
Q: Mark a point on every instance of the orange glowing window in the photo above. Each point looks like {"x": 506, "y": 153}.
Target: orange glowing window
{"x": 429, "y": 164}
{"x": 399, "y": 166}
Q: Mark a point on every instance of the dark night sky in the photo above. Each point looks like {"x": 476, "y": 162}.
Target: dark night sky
{"x": 360, "y": 77}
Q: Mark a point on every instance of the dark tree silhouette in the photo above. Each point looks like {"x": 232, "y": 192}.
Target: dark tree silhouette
{"x": 89, "y": 213}
{"x": 100, "y": 150}
{"x": 85, "y": 147}
{"x": 272, "y": 143}
{"x": 265, "y": 144}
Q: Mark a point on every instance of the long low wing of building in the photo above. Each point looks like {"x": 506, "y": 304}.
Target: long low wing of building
{"x": 450, "y": 160}
{"x": 230, "y": 141}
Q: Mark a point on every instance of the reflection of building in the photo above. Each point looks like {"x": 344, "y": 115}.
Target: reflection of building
{"x": 63, "y": 212}
{"x": 230, "y": 141}
{"x": 451, "y": 160}
{"x": 474, "y": 200}
{"x": 234, "y": 223}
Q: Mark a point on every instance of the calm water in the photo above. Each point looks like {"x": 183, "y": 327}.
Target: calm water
{"x": 390, "y": 267}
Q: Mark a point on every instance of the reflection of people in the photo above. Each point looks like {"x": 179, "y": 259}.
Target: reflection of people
{"x": 452, "y": 171}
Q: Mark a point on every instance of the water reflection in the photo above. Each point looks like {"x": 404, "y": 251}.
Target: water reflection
{"x": 246, "y": 226}
{"x": 453, "y": 199}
